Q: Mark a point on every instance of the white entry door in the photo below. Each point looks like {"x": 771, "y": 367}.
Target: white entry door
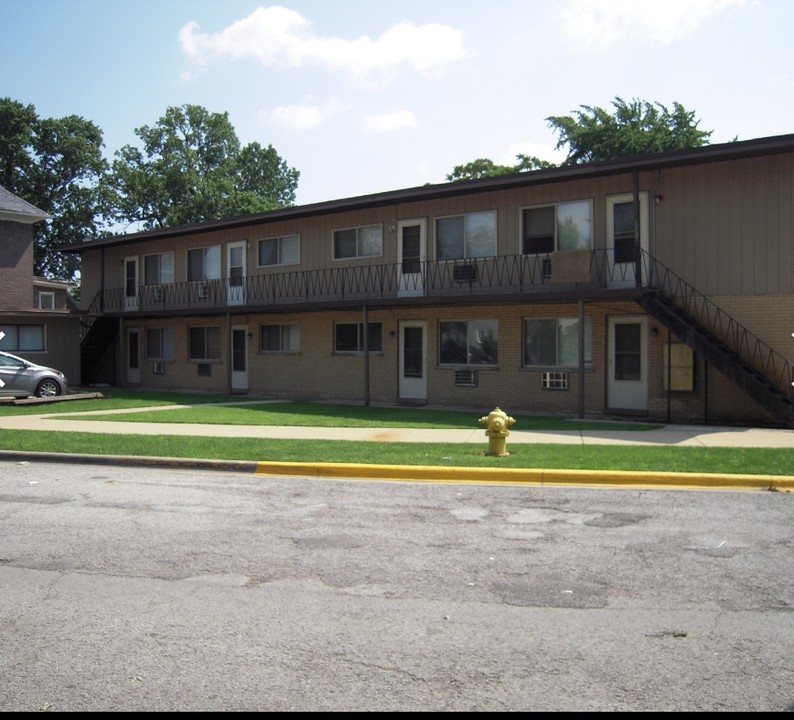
{"x": 235, "y": 261}
{"x": 413, "y": 360}
{"x": 239, "y": 355}
{"x": 620, "y": 239}
{"x": 412, "y": 254}
{"x": 627, "y": 371}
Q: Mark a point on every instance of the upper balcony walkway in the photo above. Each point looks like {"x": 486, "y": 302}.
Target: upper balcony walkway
{"x": 508, "y": 277}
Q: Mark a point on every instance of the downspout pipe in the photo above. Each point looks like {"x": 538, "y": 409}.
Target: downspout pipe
{"x": 635, "y": 194}
{"x": 365, "y": 312}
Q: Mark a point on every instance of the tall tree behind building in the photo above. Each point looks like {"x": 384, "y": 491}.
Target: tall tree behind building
{"x": 191, "y": 168}
{"x": 634, "y": 128}
{"x": 591, "y": 134}
{"x": 55, "y": 164}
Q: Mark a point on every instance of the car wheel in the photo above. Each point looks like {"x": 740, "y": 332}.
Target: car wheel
{"x": 47, "y": 388}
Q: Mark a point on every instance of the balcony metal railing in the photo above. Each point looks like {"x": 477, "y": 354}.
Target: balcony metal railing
{"x": 735, "y": 338}
{"x": 503, "y": 275}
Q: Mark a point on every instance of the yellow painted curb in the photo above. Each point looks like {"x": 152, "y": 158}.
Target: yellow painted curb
{"x": 528, "y": 476}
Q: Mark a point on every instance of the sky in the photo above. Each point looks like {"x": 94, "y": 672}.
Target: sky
{"x": 366, "y": 96}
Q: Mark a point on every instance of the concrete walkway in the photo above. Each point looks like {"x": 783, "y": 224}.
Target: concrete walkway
{"x": 674, "y": 435}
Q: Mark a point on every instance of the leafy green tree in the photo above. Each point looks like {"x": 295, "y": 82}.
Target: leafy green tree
{"x": 56, "y": 165}
{"x": 483, "y": 167}
{"x": 634, "y": 128}
{"x": 192, "y": 168}
{"x": 592, "y": 133}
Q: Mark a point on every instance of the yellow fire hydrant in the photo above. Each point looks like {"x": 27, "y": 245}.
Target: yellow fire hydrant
{"x": 496, "y": 428}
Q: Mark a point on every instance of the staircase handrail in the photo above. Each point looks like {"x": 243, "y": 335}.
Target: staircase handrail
{"x": 726, "y": 329}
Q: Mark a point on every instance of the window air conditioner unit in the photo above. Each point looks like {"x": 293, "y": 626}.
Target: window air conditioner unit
{"x": 466, "y": 378}
{"x": 464, "y": 273}
{"x": 204, "y": 369}
{"x": 158, "y": 367}
{"x": 554, "y": 380}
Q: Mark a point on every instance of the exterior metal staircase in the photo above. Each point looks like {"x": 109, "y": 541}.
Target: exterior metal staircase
{"x": 98, "y": 334}
{"x": 748, "y": 362}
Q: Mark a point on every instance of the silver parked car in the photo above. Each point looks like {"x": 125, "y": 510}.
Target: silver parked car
{"x": 22, "y": 378}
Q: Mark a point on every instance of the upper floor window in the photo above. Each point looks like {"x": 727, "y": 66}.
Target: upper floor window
{"x": 469, "y": 342}
{"x": 159, "y": 344}
{"x": 280, "y": 338}
{"x": 46, "y": 300}
{"x": 466, "y": 236}
{"x": 566, "y": 226}
{"x": 205, "y": 343}
{"x": 279, "y": 250}
{"x": 21, "y": 337}
{"x": 349, "y": 337}
{"x": 365, "y": 241}
{"x": 204, "y": 263}
{"x": 554, "y": 342}
{"x": 158, "y": 269}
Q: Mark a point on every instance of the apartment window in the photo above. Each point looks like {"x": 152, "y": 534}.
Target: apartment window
{"x": 567, "y": 226}
{"x": 349, "y": 337}
{"x": 204, "y": 263}
{"x": 158, "y": 269}
{"x": 466, "y": 236}
{"x": 279, "y": 338}
{"x": 365, "y": 241}
{"x": 469, "y": 342}
{"x": 159, "y": 344}
{"x": 279, "y": 251}
{"x": 46, "y": 300}
{"x": 205, "y": 343}
{"x": 22, "y": 337}
{"x": 554, "y": 342}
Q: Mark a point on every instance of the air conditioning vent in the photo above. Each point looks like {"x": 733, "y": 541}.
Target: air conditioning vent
{"x": 464, "y": 273}
{"x": 466, "y": 378}
{"x": 204, "y": 369}
{"x": 158, "y": 367}
{"x": 554, "y": 380}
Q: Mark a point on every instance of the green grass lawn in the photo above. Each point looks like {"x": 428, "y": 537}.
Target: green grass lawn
{"x": 210, "y": 409}
{"x": 757, "y": 461}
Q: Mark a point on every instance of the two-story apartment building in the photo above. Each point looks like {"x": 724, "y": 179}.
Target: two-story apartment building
{"x": 39, "y": 320}
{"x": 659, "y": 286}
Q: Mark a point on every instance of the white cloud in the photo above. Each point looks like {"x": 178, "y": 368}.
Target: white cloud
{"x": 281, "y": 38}
{"x": 301, "y": 117}
{"x": 601, "y": 24}
{"x": 389, "y": 122}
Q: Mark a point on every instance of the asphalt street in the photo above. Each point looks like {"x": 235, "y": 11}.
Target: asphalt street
{"x": 157, "y": 589}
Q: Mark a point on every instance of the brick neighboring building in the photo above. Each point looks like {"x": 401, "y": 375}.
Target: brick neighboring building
{"x": 39, "y": 318}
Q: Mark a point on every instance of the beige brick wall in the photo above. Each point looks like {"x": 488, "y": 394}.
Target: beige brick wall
{"x": 316, "y": 372}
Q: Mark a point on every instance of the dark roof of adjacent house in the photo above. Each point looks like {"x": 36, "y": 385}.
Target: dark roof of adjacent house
{"x": 15, "y": 208}
{"x": 652, "y": 161}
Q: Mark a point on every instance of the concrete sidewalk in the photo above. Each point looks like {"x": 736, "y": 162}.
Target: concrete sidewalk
{"x": 674, "y": 435}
